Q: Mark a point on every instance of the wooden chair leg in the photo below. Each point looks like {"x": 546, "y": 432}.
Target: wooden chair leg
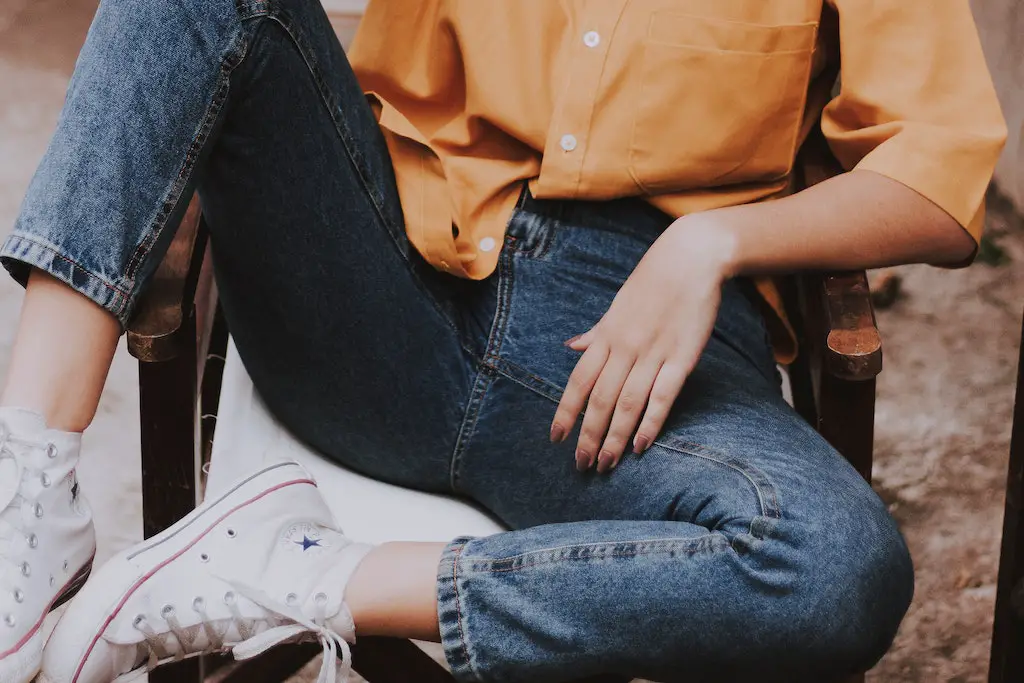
{"x": 169, "y": 480}
{"x": 1007, "y": 659}
{"x": 846, "y": 418}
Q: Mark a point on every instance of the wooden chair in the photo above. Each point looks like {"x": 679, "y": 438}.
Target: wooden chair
{"x": 1007, "y": 660}
{"x": 181, "y": 341}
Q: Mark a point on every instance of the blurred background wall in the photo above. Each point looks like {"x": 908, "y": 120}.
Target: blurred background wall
{"x": 1001, "y": 25}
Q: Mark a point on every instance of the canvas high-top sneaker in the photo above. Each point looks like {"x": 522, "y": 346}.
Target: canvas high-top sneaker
{"x": 47, "y": 541}
{"x": 262, "y": 564}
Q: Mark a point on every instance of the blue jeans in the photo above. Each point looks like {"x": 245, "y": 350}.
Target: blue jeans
{"x": 741, "y": 546}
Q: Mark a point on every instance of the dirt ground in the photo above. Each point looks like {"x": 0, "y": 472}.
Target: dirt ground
{"x": 944, "y": 399}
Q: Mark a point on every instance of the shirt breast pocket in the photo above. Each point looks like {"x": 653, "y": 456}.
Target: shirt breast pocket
{"x": 720, "y": 102}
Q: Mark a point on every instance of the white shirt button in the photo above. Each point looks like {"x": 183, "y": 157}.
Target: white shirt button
{"x": 591, "y": 38}
{"x": 568, "y": 142}
{"x": 487, "y": 244}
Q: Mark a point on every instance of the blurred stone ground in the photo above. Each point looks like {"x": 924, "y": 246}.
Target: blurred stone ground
{"x": 944, "y": 401}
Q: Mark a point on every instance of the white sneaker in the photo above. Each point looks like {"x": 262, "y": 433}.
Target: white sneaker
{"x": 262, "y": 564}
{"x": 47, "y": 542}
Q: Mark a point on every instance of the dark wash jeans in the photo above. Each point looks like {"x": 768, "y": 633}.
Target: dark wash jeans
{"x": 739, "y": 547}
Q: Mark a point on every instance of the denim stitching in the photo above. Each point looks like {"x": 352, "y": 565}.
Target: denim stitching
{"x": 330, "y": 102}
{"x": 506, "y": 276}
{"x": 758, "y": 480}
{"x": 485, "y": 375}
{"x": 247, "y": 9}
{"x": 709, "y": 543}
{"x": 458, "y": 605}
{"x": 53, "y": 250}
{"x": 369, "y": 188}
{"x": 231, "y": 60}
{"x": 481, "y": 383}
{"x": 528, "y": 380}
{"x": 749, "y": 472}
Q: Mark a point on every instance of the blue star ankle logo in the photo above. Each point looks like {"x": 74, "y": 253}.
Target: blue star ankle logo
{"x": 305, "y": 537}
{"x": 308, "y": 543}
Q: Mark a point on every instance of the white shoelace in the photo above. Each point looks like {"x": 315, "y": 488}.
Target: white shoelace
{"x": 16, "y": 512}
{"x": 286, "y": 624}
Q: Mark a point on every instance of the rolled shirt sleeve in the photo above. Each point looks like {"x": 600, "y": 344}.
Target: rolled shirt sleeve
{"x": 916, "y": 103}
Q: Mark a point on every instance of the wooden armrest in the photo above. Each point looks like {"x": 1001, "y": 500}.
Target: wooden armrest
{"x": 836, "y": 308}
{"x": 840, "y": 321}
{"x": 157, "y": 331}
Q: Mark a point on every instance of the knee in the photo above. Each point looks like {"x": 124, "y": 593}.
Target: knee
{"x": 856, "y": 585}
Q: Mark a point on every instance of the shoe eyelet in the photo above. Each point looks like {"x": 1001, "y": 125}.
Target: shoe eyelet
{"x": 320, "y": 598}
{"x": 26, "y": 569}
{"x": 204, "y": 557}
{"x": 199, "y": 604}
{"x": 32, "y": 540}
{"x": 291, "y": 599}
{"x": 44, "y": 479}
{"x": 231, "y": 533}
{"x": 229, "y": 598}
{"x": 139, "y": 620}
{"x": 10, "y": 620}
{"x": 167, "y": 611}
{"x": 65, "y": 565}
{"x": 51, "y": 451}
{"x": 39, "y": 510}
{"x": 19, "y": 595}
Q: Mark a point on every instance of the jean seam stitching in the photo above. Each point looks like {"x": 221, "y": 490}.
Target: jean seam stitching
{"x": 229, "y": 62}
{"x": 122, "y": 295}
{"x": 505, "y": 368}
{"x": 485, "y": 374}
{"x": 328, "y": 99}
{"x": 700, "y": 451}
{"x": 706, "y": 543}
{"x": 481, "y": 383}
{"x": 458, "y": 606}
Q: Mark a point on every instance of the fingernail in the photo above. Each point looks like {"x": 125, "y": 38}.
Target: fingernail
{"x": 640, "y": 444}
{"x": 570, "y": 342}
{"x": 605, "y": 461}
{"x": 557, "y": 433}
{"x": 582, "y": 460}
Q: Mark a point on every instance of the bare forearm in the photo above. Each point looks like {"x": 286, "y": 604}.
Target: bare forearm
{"x": 853, "y": 221}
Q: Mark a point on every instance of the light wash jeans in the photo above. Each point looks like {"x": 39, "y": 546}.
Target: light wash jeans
{"x": 740, "y": 547}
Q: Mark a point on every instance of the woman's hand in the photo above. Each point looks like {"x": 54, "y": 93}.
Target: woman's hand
{"x": 636, "y": 358}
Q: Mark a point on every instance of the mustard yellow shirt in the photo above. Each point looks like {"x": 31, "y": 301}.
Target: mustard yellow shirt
{"x": 692, "y": 104}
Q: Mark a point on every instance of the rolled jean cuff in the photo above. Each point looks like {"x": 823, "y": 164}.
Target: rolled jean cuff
{"x": 22, "y": 252}
{"x": 450, "y": 613}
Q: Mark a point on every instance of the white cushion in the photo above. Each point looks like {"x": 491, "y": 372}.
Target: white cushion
{"x": 247, "y": 436}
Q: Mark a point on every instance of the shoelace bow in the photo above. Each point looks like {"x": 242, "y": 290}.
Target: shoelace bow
{"x": 253, "y": 644}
